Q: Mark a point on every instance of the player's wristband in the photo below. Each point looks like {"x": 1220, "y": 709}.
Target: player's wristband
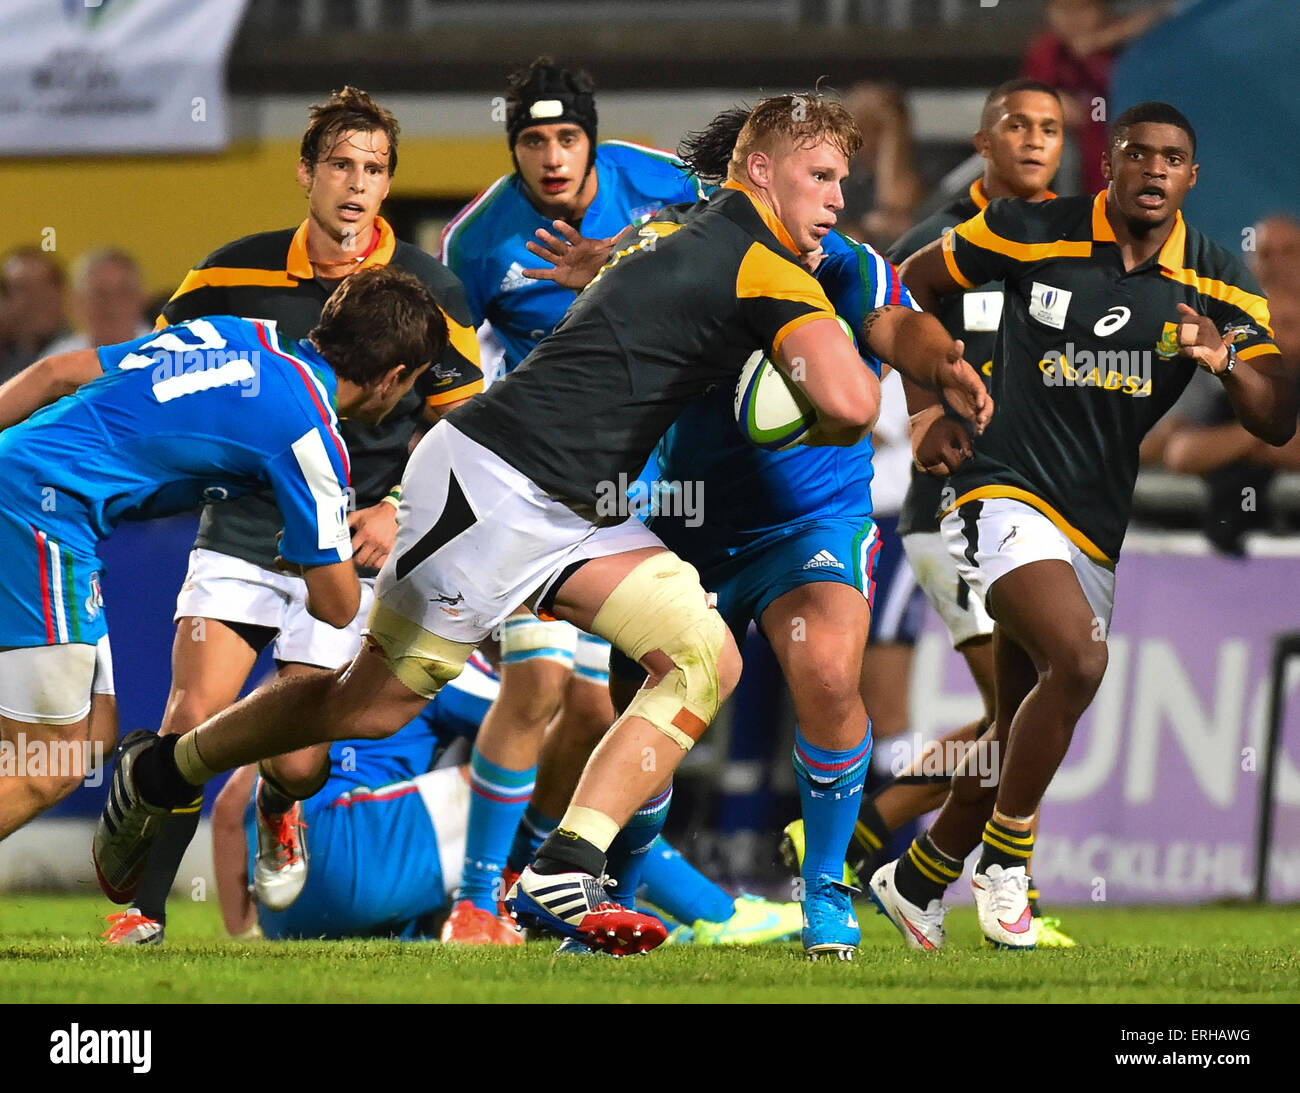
{"x": 1231, "y": 364}
{"x": 394, "y": 496}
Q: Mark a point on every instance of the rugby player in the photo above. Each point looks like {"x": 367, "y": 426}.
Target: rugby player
{"x": 561, "y": 175}
{"x": 789, "y": 541}
{"x": 500, "y": 508}
{"x": 213, "y": 408}
{"x": 388, "y": 835}
{"x": 1020, "y": 139}
{"x": 1111, "y": 303}
{"x": 233, "y": 602}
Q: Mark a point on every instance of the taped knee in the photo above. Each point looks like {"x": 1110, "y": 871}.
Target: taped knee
{"x": 661, "y": 606}
{"x": 418, "y": 657}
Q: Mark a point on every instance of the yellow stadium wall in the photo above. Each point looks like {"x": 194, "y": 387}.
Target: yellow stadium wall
{"x": 169, "y": 211}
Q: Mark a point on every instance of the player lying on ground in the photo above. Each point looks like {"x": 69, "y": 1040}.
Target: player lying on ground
{"x": 1020, "y": 139}
{"x": 388, "y": 836}
{"x": 548, "y": 668}
{"x": 1112, "y": 302}
{"x": 234, "y": 602}
{"x": 787, "y": 539}
{"x": 500, "y": 507}
{"x": 213, "y": 408}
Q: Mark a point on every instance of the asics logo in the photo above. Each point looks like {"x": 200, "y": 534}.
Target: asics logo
{"x": 1112, "y": 321}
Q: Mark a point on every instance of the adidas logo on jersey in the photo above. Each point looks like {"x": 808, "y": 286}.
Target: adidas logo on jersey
{"x": 514, "y": 278}
{"x": 823, "y": 559}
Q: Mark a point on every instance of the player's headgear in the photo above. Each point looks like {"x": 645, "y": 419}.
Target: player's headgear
{"x": 546, "y": 94}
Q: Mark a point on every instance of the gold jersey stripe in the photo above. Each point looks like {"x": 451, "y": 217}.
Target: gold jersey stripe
{"x": 1014, "y": 493}
{"x": 1254, "y": 306}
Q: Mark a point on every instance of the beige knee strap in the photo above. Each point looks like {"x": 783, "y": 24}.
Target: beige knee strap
{"x": 418, "y": 657}
{"x": 660, "y": 605}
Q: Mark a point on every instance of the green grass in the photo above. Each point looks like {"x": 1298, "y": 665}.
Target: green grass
{"x": 50, "y": 952}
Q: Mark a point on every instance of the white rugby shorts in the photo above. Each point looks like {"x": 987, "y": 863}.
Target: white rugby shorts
{"x": 1007, "y": 534}
{"x": 477, "y": 539}
{"x": 963, "y": 612}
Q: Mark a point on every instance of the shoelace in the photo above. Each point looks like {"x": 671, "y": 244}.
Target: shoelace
{"x": 1003, "y": 893}
{"x": 123, "y": 922}
{"x": 288, "y": 849}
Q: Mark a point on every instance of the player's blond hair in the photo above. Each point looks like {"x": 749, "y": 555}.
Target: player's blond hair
{"x": 794, "y": 121}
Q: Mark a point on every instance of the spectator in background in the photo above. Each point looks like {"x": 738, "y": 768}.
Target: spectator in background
{"x": 1201, "y": 436}
{"x": 883, "y": 188}
{"x": 1075, "y": 55}
{"x": 31, "y": 284}
{"x": 108, "y": 302}
{"x": 1276, "y": 261}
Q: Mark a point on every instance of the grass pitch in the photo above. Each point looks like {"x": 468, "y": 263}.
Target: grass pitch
{"x": 50, "y": 952}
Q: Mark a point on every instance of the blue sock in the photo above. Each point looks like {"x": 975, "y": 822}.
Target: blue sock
{"x": 677, "y": 887}
{"x": 529, "y": 835}
{"x": 496, "y": 803}
{"x": 830, "y": 787}
{"x": 627, "y": 853}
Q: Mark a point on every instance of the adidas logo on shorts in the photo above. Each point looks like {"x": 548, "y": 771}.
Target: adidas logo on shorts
{"x": 823, "y": 559}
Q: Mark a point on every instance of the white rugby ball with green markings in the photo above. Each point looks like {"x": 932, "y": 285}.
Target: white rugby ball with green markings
{"x": 771, "y": 412}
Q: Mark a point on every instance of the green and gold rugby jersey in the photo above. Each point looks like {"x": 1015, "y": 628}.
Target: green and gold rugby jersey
{"x": 269, "y": 276}
{"x": 1087, "y": 359}
{"x": 972, "y": 316}
{"x": 667, "y": 318}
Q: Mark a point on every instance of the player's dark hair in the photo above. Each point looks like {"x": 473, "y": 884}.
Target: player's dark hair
{"x": 345, "y": 111}
{"x": 376, "y": 319}
{"x": 546, "y": 93}
{"x": 799, "y": 120}
{"x": 707, "y": 152}
{"x": 1156, "y": 113}
{"x": 1013, "y": 87}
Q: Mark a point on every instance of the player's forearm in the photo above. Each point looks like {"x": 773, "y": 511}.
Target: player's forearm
{"x": 230, "y": 853}
{"x": 913, "y": 342}
{"x": 44, "y": 382}
{"x": 1264, "y": 400}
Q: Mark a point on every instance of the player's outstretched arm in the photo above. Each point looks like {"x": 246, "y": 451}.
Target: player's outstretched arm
{"x": 926, "y": 276}
{"x": 46, "y": 381}
{"x": 1263, "y": 395}
{"x": 824, "y": 364}
{"x": 921, "y": 349}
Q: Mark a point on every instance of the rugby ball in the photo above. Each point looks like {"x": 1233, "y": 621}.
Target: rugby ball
{"x": 771, "y": 412}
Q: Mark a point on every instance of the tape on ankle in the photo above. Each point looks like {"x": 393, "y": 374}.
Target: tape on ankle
{"x": 190, "y": 763}
{"x": 587, "y": 823}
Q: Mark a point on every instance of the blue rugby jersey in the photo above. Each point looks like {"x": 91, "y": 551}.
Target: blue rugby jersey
{"x": 198, "y": 412}
{"x": 484, "y": 244}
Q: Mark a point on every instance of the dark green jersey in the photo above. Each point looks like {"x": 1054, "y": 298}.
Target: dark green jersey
{"x": 660, "y": 325}
{"x": 269, "y": 276}
{"x": 973, "y": 317}
{"x": 1087, "y": 354}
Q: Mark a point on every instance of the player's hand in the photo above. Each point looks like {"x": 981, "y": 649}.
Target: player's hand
{"x": 812, "y": 259}
{"x": 963, "y": 389}
{"x": 943, "y": 447}
{"x": 292, "y": 568}
{"x": 575, "y": 259}
{"x": 1200, "y": 339}
{"x": 373, "y": 533}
